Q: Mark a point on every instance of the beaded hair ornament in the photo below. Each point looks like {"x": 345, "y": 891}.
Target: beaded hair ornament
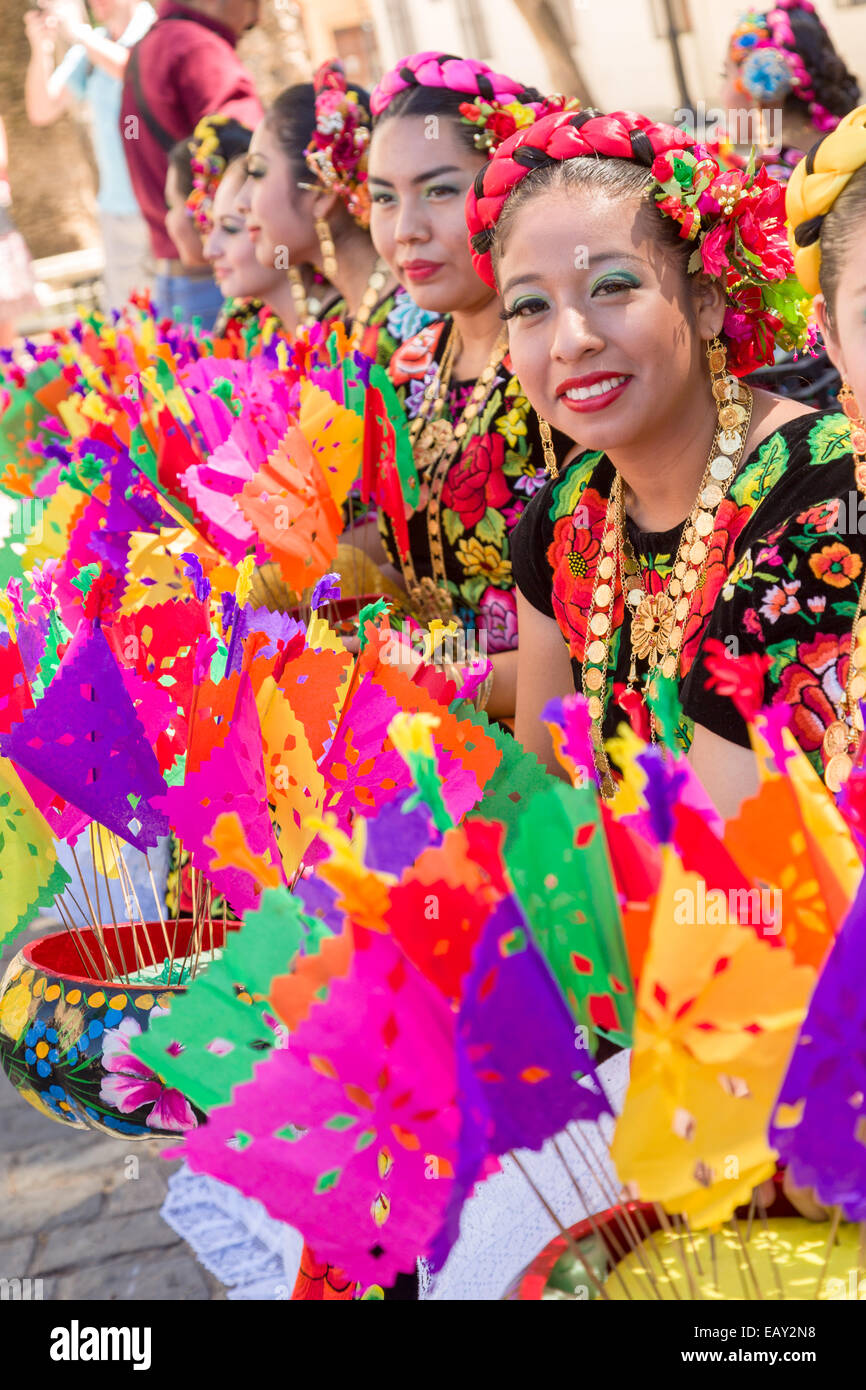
{"x": 338, "y": 151}
{"x": 769, "y": 68}
{"x": 736, "y": 218}
{"x": 208, "y": 162}
{"x": 497, "y": 105}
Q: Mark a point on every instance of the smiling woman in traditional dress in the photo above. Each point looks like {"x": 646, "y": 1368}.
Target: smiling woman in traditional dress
{"x": 639, "y": 283}
{"x": 477, "y": 444}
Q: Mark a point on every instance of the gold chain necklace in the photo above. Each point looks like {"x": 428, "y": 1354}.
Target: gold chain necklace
{"x": 429, "y": 596}
{"x": 842, "y": 736}
{"x": 370, "y": 298}
{"x": 430, "y": 431}
{"x": 659, "y": 620}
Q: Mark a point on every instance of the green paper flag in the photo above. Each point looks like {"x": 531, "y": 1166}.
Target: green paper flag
{"x": 30, "y": 875}
{"x": 559, "y": 865}
{"x": 518, "y": 778}
{"x": 220, "y": 1020}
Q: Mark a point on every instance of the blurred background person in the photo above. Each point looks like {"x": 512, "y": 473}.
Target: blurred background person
{"x": 184, "y": 68}
{"x": 92, "y": 71}
{"x": 16, "y": 275}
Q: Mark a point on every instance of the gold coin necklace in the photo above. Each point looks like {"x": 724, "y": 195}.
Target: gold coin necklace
{"x": 429, "y": 596}
{"x": 659, "y": 620}
{"x": 370, "y": 298}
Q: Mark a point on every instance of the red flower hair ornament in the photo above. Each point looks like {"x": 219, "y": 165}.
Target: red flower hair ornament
{"x": 338, "y": 151}
{"x": 735, "y": 218}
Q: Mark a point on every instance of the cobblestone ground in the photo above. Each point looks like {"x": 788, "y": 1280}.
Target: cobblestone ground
{"x": 79, "y": 1215}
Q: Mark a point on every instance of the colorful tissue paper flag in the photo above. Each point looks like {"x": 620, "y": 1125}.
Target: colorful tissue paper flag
{"x": 771, "y": 843}
{"x": 516, "y": 779}
{"x": 562, "y": 876}
{"x": 296, "y": 787}
{"x": 360, "y": 772}
{"x": 85, "y": 741}
{"x": 30, "y": 875}
{"x": 818, "y": 1123}
{"x": 439, "y": 908}
{"x": 289, "y": 505}
{"x": 520, "y": 1040}
{"x": 230, "y": 778}
{"x": 352, "y": 1133}
{"x": 717, "y": 1018}
{"x": 294, "y": 994}
{"x": 219, "y": 1028}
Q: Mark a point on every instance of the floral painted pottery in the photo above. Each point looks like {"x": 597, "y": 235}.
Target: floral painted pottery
{"x": 65, "y": 1036}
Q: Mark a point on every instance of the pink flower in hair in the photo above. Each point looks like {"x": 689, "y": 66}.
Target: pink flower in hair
{"x": 713, "y": 256}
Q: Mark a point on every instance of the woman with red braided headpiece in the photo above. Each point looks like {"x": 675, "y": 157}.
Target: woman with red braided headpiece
{"x": 477, "y": 447}
{"x": 698, "y": 519}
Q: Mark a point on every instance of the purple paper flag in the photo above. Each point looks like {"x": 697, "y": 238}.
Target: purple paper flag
{"x": 519, "y": 1039}
{"x": 352, "y": 1133}
{"x": 819, "y": 1120}
{"x": 85, "y": 741}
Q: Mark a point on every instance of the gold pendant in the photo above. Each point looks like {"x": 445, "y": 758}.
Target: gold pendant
{"x": 651, "y": 626}
{"x": 429, "y": 601}
{"x": 433, "y": 441}
{"x": 836, "y": 738}
{"x": 837, "y": 772}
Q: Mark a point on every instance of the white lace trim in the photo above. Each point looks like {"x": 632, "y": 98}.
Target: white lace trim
{"x": 503, "y": 1226}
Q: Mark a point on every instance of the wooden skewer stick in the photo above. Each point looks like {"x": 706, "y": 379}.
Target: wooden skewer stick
{"x": 623, "y": 1214}
{"x": 127, "y": 904}
{"x": 679, "y": 1243}
{"x": 750, "y": 1267}
{"x": 694, "y": 1247}
{"x": 610, "y": 1196}
{"x": 567, "y": 1236}
{"x": 134, "y": 894}
{"x": 94, "y": 836}
{"x": 831, "y": 1241}
{"x": 96, "y": 925}
{"x": 647, "y": 1240}
{"x": 751, "y": 1214}
{"x": 742, "y": 1273}
{"x": 714, "y": 1258}
{"x": 156, "y": 899}
{"x": 762, "y": 1212}
{"x": 90, "y": 966}
{"x": 861, "y": 1257}
{"x": 592, "y": 1221}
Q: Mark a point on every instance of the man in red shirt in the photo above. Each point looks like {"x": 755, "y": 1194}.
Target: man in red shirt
{"x": 184, "y": 68}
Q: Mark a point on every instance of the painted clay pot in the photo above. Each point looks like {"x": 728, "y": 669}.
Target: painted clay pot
{"x": 65, "y": 1034}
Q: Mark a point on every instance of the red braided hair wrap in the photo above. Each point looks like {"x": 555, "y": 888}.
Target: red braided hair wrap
{"x": 565, "y": 135}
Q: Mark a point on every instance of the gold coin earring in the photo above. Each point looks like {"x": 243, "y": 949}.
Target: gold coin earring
{"x": 299, "y": 296}
{"x": 327, "y": 249}
{"x": 550, "y": 465}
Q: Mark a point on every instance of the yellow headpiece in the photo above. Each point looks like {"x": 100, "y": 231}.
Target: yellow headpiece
{"x": 814, "y": 187}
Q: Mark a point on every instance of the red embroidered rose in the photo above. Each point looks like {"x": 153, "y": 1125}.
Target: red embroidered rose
{"x": 573, "y": 555}
{"x": 814, "y": 685}
{"x": 730, "y": 520}
{"x": 476, "y": 481}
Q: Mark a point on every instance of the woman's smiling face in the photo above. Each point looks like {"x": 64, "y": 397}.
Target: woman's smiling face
{"x": 418, "y": 187}
{"x": 605, "y": 333}
{"x": 280, "y": 213}
{"x": 237, "y": 269}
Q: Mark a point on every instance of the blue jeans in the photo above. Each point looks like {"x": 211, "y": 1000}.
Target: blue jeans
{"x": 183, "y": 299}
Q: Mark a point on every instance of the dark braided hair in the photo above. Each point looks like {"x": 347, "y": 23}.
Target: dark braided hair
{"x": 835, "y": 87}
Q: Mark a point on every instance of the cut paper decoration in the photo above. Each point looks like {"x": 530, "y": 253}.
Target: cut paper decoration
{"x": 30, "y": 875}
{"x": 230, "y": 779}
{"x": 85, "y": 741}
{"x": 218, "y": 1029}
{"x": 819, "y": 1120}
{"x": 341, "y": 1133}
{"x": 520, "y": 1040}
{"x": 718, "y": 1012}
{"x": 439, "y": 908}
{"x": 569, "y": 899}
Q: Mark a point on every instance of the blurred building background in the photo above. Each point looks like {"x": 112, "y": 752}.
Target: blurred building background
{"x": 648, "y": 55}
